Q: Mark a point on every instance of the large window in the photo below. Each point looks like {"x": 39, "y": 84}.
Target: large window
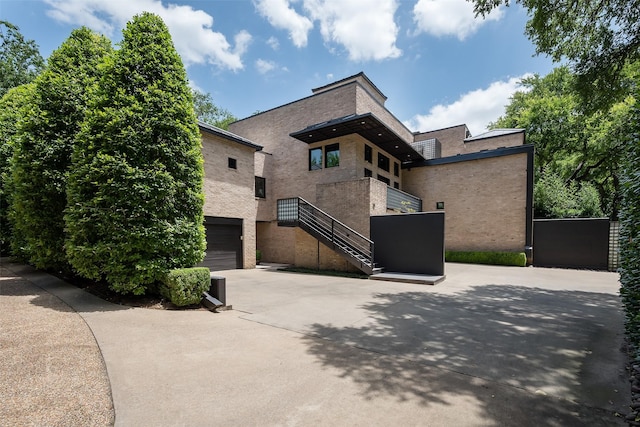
{"x": 332, "y": 156}
{"x": 315, "y": 159}
{"x": 261, "y": 187}
{"x": 368, "y": 154}
{"x": 383, "y": 162}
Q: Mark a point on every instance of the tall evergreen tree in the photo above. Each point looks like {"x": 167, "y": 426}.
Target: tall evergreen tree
{"x": 135, "y": 195}
{"x": 11, "y": 112}
{"x": 44, "y": 142}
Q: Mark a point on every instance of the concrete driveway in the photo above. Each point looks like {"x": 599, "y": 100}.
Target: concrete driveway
{"x": 489, "y": 346}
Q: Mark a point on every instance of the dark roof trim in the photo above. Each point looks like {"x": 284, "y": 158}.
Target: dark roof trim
{"x": 488, "y": 154}
{"x": 205, "y": 127}
{"x": 366, "y": 125}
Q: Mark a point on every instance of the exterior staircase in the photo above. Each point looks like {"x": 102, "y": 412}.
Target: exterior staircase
{"x": 353, "y": 246}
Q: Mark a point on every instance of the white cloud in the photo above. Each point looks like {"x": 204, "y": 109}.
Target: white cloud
{"x": 450, "y": 18}
{"x": 366, "y": 28}
{"x": 263, "y": 66}
{"x": 476, "y": 108}
{"x": 273, "y": 43}
{"x": 190, "y": 29}
{"x": 281, "y": 15}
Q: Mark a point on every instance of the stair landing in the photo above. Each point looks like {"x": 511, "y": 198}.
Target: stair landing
{"x": 420, "y": 279}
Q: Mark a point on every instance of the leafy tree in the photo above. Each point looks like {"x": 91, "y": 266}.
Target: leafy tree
{"x": 208, "y": 112}
{"x": 44, "y": 143}
{"x": 553, "y": 198}
{"x": 597, "y": 37}
{"x": 135, "y": 195}
{"x": 579, "y": 147}
{"x": 11, "y": 110}
{"x": 20, "y": 60}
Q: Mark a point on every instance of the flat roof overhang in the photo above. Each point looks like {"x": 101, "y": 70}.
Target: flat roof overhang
{"x": 366, "y": 125}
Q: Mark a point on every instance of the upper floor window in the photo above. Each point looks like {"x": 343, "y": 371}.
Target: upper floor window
{"x": 233, "y": 164}
{"x": 261, "y": 187}
{"x": 396, "y": 185}
{"x": 383, "y": 162}
{"x": 384, "y": 179}
{"x": 367, "y": 173}
{"x": 396, "y": 169}
{"x": 332, "y": 155}
{"x": 315, "y": 159}
{"x": 368, "y": 154}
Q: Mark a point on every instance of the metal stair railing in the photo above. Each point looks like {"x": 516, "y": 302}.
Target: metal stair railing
{"x": 356, "y": 248}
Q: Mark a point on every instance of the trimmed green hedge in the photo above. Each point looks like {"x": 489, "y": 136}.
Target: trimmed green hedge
{"x": 518, "y": 259}
{"x": 184, "y": 286}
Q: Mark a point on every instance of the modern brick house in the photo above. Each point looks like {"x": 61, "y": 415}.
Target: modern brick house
{"x": 342, "y": 151}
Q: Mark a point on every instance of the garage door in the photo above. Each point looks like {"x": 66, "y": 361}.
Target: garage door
{"x": 224, "y": 243}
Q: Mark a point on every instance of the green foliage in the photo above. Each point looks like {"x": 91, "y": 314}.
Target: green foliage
{"x": 135, "y": 194}
{"x": 209, "y": 113}
{"x": 553, "y": 198}
{"x": 597, "y": 37}
{"x": 44, "y": 142}
{"x": 20, "y": 59}
{"x": 11, "y": 110}
{"x": 582, "y": 148}
{"x": 185, "y": 286}
{"x": 518, "y": 259}
{"x": 630, "y": 230}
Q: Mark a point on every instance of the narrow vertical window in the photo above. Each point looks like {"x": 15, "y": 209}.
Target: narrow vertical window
{"x": 332, "y": 156}
{"x": 261, "y": 187}
{"x": 396, "y": 169}
{"x": 368, "y": 154}
{"x": 315, "y": 159}
{"x": 233, "y": 164}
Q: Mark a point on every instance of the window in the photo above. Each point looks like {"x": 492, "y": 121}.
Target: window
{"x": 233, "y": 164}
{"x": 396, "y": 169}
{"x": 367, "y": 173}
{"x": 396, "y": 185}
{"x": 384, "y": 179}
{"x": 315, "y": 159}
{"x": 383, "y": 162}
{"x": 332, "y": 156}
{"x": 261, "y": 187}
{"x": 368, "y": 154}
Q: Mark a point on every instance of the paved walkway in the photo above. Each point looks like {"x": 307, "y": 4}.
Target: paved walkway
{"x": 490, "y": 346}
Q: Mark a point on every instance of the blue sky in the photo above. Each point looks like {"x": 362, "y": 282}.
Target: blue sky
{"x": 437, "y": 65}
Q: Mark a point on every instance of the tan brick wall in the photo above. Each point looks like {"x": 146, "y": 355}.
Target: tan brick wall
{"x": 510, "y": 140}
{"x": 229, "y": 193}
{"x": 277, "y": 244}
{"x": 264, "y": 168}
{"x": 485, "y": 201}
{"x": 451, "y": 139}
{"x": 367, "y": 104}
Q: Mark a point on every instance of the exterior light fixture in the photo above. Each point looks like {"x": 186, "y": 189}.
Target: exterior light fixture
{"x": 379, "y": 134}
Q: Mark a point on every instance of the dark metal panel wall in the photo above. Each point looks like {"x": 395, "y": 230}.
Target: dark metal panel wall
{"x": 409, "y": 243}
{"x": 571, "y": 243}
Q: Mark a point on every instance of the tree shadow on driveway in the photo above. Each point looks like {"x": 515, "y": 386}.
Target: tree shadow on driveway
{"x": 512, "y": 348}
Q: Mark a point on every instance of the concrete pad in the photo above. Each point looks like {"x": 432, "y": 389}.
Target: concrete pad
{"x": 418, "y": 279}
{"x": 489, "y": 346}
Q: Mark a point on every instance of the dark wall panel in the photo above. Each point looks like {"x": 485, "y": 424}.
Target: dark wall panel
{"x": 571, "y": 243}
{"x": 409, "y": 243}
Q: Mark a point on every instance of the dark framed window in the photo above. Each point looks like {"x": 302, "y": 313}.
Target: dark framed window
{"x": 367, "y": 173}
{"x": 396, "y": 185}
{"x": 261, "y": 187}
{"x": 396, "y": 169}
{"x": 332, "y": 156}
{"x": 368, "y": 154}
{"x": 315, "y": 159}
{"x": 233, "y": 164}
{"x": 384, "y": 179}
{"x": 383, "y": 162}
